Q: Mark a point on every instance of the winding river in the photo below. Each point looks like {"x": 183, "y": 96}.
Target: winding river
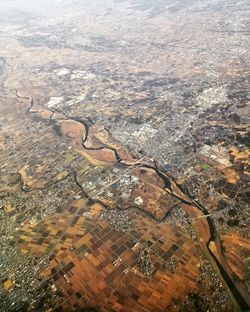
{"x": 209, "y": 239}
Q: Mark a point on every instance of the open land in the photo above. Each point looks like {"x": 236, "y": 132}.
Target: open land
{"x": 124, "y": 148}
